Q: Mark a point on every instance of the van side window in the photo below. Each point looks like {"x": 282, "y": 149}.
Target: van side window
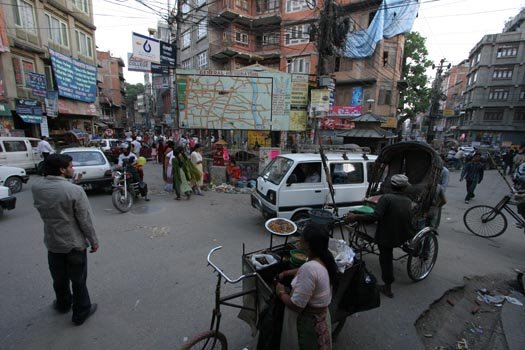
{"x": 369, "y": 170}
{"x": 34, "y": 143}
{"x": 1, "y": 147}
{"x": 347, "y": 173}
{"x": 308, "y": 172}
{"x": 15, "y": 146}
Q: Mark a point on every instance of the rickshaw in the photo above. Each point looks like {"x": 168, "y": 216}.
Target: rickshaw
{"x": 422, "y": 166}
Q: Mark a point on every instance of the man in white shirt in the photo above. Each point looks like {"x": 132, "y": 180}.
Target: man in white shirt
{"x": 44, "y": 147}
{"x": 137, "y": 145}
{"x": 126, "y": 155}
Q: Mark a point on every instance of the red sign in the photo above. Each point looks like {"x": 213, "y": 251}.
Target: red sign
{"x": 108, "y": 132}
{"x": 330, "y": 123}
{"x": 345, "y": 111}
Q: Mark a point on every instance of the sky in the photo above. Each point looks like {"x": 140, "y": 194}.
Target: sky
{"x": 451, "y": 27}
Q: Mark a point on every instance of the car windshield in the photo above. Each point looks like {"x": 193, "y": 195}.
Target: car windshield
{"x": 86, "y": 158}
{"x": 277, "y": 169}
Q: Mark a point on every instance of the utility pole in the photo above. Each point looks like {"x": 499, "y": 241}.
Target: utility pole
{"x": 435, "y": 97}
{"x": 177, "y": 20}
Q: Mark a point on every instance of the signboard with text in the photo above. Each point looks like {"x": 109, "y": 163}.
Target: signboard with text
{"x": 38, "y": 84}
{"x": 146, "y": 48}
{"x": 28, "y": 107}
{"x": 167, "y": 54}
{"x": 51, "y": 101}
{"x": 75, "y": 79}
{"x": 137, "y": 64}
{"x": 345, "y": 111}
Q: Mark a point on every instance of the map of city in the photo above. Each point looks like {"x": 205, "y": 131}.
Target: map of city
{"x": 220, "y": 102}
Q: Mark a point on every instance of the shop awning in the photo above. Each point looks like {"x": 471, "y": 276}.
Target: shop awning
{"x": 33, "y": 119}
{"x": 102, "y": 125}
{"x": 4, "y": 110}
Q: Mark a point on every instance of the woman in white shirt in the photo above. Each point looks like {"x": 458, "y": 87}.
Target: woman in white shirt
{"x": 196, "y": 159}
{"x": 306, "y": 323}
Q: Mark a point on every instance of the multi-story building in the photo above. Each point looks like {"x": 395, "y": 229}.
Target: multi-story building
{"x": 452, "y": 108}
{"x": 33, "y": 30}
{"x": 495, "y": 93}
{"x": 112, "y": 90}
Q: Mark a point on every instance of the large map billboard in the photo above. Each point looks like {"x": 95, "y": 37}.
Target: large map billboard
{"x": 242, "y": 100}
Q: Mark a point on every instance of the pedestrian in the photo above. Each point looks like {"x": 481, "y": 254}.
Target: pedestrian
{"x": 44, "y": 147}
{"x": 473, "y": 173}
{"x": 68, "y": 231}
{"x": 393, "y": 214}
{"x": 459, "y": 157}
{"x": 167, "y": 167}
{"x": 196, "y": 159}
{"x": 154, "y": 152}
{"x": 439, "y": 199}
{"x": 518, "y": 159}
{"x": 233, "y": 171}
{"x": 181, "y": 174}
{"x": 160, "y": 151}
{"x": 508, "y": 159}
{"x": 136, "y": 145}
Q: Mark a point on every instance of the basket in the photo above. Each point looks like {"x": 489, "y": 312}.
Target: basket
{"x": 321, "y": 216}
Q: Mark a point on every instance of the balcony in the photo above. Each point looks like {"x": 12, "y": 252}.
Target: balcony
{"x": 223, "y": 50}
{"x": 244, "y": 12}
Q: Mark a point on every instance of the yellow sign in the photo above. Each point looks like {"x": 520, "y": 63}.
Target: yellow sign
{"x": 320, "y": 100}
{"x": 448, "y": 112}
{"x": 390, "y": 123}
{"x": 298, "y": 120}
{"x": 260, "y": 138}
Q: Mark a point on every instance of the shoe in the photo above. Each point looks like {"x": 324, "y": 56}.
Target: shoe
{"x": 92, "y": 310}
{"x": 147, "y": 199}
{"x": 386, "y": 290}
{"x": 200, "y": 194}
{"x": 466, "y": 202}
{"x": 61, "y": 310}
{"x": 177, "y": 198}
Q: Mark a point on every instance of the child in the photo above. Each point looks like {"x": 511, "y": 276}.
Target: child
{"x": 154, "y": 153}
{"x": 234, "y": 172}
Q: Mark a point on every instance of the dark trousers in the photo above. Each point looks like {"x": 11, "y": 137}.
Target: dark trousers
{"x": 471, "y": 186}
{"x": 45, "y": 155}
{"x": 70, "y": 269}
{"x": 386, "y": 261}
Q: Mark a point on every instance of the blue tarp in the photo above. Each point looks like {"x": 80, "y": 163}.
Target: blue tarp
{"x": 392, "y": 18}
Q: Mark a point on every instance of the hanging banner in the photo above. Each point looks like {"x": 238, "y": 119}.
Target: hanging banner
{"x": 75, "y": 79}
{"x": 44, "y": 128}
{"x": 146, "y": 48}
{"x": 138, "y": 65}
{"x": 299, "y": 96}
{"x": 37, "y": 83}
{"x": 51, "y": 102}
{"x": 168, "y": 55}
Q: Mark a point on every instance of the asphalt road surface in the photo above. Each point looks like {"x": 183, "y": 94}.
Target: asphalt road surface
{"x": 154, "y": 289}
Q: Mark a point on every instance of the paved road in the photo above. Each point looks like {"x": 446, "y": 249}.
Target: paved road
{"x": 154, "y": 289}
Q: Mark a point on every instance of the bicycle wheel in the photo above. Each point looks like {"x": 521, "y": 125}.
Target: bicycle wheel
{"x": 485, "y": 221}
{"x": 422, "y": 258}
{"x": 207, "y": 340}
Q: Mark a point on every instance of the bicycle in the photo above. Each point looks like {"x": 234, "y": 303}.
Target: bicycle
{"x": 213, "y": 337}
{"x": 486, "y": 221}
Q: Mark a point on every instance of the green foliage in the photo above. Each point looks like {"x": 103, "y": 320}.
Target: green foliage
{"x": 132, "y": 90}
{"x": 416, "y": 98}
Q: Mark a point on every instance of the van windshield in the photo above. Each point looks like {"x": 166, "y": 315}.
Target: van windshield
{"x": 277, "y": 169}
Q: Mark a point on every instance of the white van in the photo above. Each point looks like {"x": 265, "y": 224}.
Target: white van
{"x": 292, "y": 184}
{"x": 20, "y": 152}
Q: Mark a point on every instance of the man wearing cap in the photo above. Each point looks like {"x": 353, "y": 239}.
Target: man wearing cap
{"x": 393, "y": 214}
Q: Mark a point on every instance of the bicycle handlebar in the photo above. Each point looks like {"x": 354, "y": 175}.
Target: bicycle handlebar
{"x": 219, "y": 270}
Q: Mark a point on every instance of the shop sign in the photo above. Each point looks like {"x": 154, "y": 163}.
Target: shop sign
{"x": 299, "y": 96}
{"x": 75, "y": 79}
{"x": 28, "y": 107}
{"x": 159, "y": 69}
{"x": 145, "y": 47}
{"x": 137, "y": 64}
{"x": 334, "y": 123}
{"x": 79, "y": 108}
{"x": 345, "y": 111}
{"x": 37, "y": 83}
{"x": 51, "y": 102}
{"x": 161, "y": 82}
{"x": 320, "y": 100}
{"x": 4, "y": 110}
{"x": 168, "y": 56}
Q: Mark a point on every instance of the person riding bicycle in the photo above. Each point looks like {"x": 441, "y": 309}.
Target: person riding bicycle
{"x": 128, "y": 160}
{"x": 393, "y": 214}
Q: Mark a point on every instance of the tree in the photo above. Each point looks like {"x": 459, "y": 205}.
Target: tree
{"x": 132, "y": 90}
{"x": 416, "y": 98}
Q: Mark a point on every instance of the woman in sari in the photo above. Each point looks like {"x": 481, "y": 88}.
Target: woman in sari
{"x": 167, "y": 168}
{"x": 181, "y": 173}
{"x": 306, "y": 323}
{"x": 196, "y": 159}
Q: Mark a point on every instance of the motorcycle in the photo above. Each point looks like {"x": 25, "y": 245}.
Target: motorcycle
{"x": 127, "y": 186}
{"x": 519, "y": 178}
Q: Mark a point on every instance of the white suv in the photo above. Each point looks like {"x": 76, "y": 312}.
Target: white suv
{"x": 91, "y": 166}
{"x": 13, "y": 178}
{"x": 7, "y": 202}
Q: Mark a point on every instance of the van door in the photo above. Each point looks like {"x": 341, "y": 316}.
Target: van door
{"x": 348, "y": 179}
{"x": 17, "y": 152}
{"x": 310, "y": 189}
{"x": 37, "y": 156}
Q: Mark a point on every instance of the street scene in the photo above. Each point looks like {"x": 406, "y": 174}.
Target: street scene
{"x": 241, "y": 174}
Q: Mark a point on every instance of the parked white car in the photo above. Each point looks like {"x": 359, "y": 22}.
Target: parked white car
{"x": 91, "y": 167}
{"x": 13, "y": 178}
{"x": 104, "y": 144}
{"x": 20, "y": 152}
{"x": 7, "y": 201}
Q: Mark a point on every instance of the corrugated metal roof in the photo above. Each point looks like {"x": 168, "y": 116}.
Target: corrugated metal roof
{"x": 374, "y": 133}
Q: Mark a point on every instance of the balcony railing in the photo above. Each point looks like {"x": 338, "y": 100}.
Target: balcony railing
{"x": 262, "y": 12}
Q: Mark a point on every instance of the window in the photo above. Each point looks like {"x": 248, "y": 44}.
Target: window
{"x": 519, "y": 115}
{"x": 473, "y": 78}
{"x": 270, "y": 39}
{"x": 186, "y": 39}
{"x": 82, "y": 5}
{"x": 49, "y": 78}
{"x": 22, "y": 66}
{"x": 522, "y": 94}
{"x": 24, "y": 15}
{"x": 298, "y": 65}
{"x": 202, "y": 59}
{"x": 262, "y": 6}
{"x": 493, "y": 116}
{"x": 84, "y": 43}
{"x": 15, "y": 146}
{"x": 507, "y": 51}
{"x": 241, "y": 38}
{"x": 307, "y": 173}
{"x": 478, "y": 57}
{"x": 385, "y": 97}
{"x": 296, "y": 5}
{"x": 499, "y": 94}
{"x": 369, "y": 170}
{"x": 297, "y": 34}
{"x": 87, "y": 158}
{"x": 202, "y": 30}
{"x": 242, "y": 4}
{"x": 347, "y": 173}
{"x": 186, "y": 64}
{"x": 504, "y": 72}
{"x": 57, "y": 30}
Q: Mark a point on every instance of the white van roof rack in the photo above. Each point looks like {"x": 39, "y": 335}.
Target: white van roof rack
{"x": 349, "y": 148}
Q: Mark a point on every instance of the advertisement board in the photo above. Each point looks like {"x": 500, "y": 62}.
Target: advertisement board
{"x": 75, "y": 79}
{"x": 37, "y": 83}
{"x": 137, "y": 64}
{"x": 299, "y": 96}
{"x": 145, "y": 47}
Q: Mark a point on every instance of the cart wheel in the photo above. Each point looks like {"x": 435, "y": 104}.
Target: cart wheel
{"x": 423, "y": 256}
{"x": 207, "y": 340}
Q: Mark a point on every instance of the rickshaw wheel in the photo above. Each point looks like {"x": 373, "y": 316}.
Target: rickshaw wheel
{"x": 422, "y": 257}
{"x": 207, "y": 340}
